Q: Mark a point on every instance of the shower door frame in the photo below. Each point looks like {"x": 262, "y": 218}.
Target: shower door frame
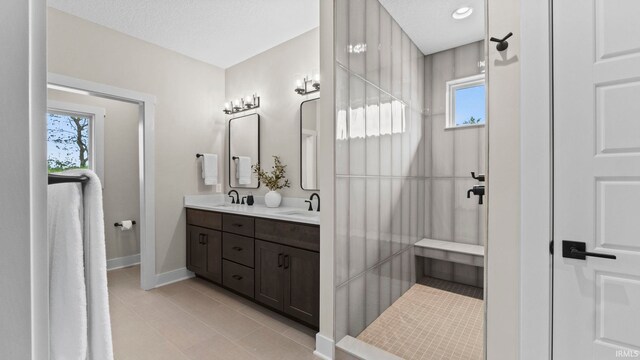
{"x": 146, "y": 161}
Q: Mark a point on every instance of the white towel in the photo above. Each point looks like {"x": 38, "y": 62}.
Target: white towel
{"x": 243, "y": 170}
{"x": 210, "y": 169}
{"x": 66, "y": 294}
{"x": 67, "y": 291}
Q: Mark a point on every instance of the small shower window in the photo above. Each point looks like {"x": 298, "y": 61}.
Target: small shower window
{"x": 466, "y": 102}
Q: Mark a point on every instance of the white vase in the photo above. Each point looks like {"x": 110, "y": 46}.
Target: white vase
{"x": 272, "y": 199}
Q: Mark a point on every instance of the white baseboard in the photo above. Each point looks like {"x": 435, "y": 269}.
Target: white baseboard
{"x": 361, "y": 350}
{"x": 122, "y": 262}
{"x": 324, "y": 347}
{"x": 173, "y": 276}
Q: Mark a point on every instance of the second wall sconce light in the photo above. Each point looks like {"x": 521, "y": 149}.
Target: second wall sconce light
{"x": 240, "y": 105}
{"x": 308, "y": 85}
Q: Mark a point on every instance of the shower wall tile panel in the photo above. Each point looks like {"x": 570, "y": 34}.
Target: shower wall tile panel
{"x": 357, "y": 38}
{"x": 383, "y": 158}
{"x": 357, "y": 208}
{"x": 373, "y": 221}
{"x": 455, "y": 153}
{"x": 372, "y": 55}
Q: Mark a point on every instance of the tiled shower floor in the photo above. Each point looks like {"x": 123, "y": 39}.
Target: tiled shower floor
{"x": 434, "y": 319}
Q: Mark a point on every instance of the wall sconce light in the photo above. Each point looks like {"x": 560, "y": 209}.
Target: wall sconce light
{"x": 240, "y": 105}
{"x": 302, "y": 86}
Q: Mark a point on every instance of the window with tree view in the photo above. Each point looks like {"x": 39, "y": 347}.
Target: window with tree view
{"x": 466, "y": 102}
{"x": 68, "y": 141}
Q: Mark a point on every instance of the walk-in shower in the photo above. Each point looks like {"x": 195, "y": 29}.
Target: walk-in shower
{"x": 410, "y": 223}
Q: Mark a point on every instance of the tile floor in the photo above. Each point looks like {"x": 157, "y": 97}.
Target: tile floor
{"x": 434, "y": 319}
{"x": 194, "y": 319}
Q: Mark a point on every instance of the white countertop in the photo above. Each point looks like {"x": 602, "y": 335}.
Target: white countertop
{"x": 287, "y": 212}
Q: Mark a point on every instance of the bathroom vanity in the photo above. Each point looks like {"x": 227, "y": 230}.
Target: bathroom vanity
{"x": 270, "y": 256}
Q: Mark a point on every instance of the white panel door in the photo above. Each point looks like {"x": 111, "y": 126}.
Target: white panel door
{"x": 596, "y": 312}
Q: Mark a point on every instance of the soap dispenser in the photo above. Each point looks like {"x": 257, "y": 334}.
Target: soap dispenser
{"x": 250, "y": 199}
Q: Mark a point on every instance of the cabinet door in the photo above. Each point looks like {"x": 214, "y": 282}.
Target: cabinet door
{"x": 213, "y": 269}
{"x": 302, "y": 285}
{"x": 196, "y": 250}
{"x": 204, "y": 252}
{"x": 269, "y": 264}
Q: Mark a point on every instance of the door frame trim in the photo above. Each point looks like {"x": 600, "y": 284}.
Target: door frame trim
{"x": 146, "y": 154}
{"x": 536, "y": 117}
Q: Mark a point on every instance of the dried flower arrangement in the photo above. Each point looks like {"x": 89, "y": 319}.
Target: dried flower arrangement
{"x": 273, "y": 179}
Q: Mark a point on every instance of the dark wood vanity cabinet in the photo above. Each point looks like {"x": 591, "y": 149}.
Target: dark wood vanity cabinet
{"x": 276, "y": 263}
{"x": 288, "y": 279}
{"x": 203, "y": 252}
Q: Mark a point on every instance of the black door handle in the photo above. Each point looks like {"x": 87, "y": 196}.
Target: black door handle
{"x": 237, "y": 277}
{"x": 201, "y": 239}
{"x": 237, "y": 248}
{"x": 578, "y": 250}
{"x": 280, "y": 260}
{"x": 286, "y": 261}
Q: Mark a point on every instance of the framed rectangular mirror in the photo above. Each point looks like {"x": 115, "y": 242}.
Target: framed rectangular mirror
{"x": 244, "y": 151}
{"x": 309, "y": 134}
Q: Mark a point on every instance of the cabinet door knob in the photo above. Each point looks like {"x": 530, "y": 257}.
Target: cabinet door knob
{"x": 237, "y": 248}
{"x": 280, "y": 259}
{"x": 286, "y": 261}
{"x": 237, "y": 277}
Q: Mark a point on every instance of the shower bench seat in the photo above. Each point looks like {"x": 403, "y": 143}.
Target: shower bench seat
{"x": 450, "y": 251}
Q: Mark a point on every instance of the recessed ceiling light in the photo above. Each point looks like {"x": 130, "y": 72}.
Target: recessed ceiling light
{"x": 462, "y": 13}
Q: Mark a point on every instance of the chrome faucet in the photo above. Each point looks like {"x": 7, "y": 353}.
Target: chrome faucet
{"x": 311, "y": 199}
{"x": 235, "y": 200}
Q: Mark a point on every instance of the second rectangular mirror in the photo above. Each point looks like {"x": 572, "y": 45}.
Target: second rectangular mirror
{"x": 309, "y": 133}
{"x": 244, "y": 151}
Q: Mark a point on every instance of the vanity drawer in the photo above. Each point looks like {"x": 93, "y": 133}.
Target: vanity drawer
{"x": 237, "y": 277}
{"x": 288, "y": 233}
{"x": 237, "y": 224}
{"x": 205, "y": 219}
{"x": 238, "y": 249}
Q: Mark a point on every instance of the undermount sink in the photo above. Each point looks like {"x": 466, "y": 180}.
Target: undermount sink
{"x": 300, "y": 213}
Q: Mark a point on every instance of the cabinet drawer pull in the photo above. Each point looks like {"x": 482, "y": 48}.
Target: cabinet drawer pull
{"x": 237, "y": 277}
{"x": 280, "y": 260}
{"x": 286, "y": 261}
{"x": 237, "y": 248}
{"x": 237, "y": 225}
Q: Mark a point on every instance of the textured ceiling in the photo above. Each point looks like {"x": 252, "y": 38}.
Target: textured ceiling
{"x": 430, "y": 25}
{"x": 219, "y": 32}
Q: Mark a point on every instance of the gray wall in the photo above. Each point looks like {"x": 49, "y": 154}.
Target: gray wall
{"x": 189, "y": 120}
{"x": 381, "y": 170}
{"x": 454, "y": 154}
{"x": 272, "y": 75}
{"x": 121, "y": 191}
{"x": 23, "y": 185}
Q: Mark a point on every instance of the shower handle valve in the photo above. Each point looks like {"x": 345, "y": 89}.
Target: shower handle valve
{"x": 477, "y": 190}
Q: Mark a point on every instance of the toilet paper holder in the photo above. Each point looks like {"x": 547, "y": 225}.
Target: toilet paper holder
{"x": 120, "y": 224}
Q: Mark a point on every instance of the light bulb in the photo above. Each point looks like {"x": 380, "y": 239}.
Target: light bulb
{"x": 462, "y": 13}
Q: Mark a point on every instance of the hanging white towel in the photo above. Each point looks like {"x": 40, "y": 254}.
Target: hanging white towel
{"x": 67, "y": 291}
{"x": 210, "y": 169}
{"x": 243, "y": 170}
{"x": 95, "y": 343}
